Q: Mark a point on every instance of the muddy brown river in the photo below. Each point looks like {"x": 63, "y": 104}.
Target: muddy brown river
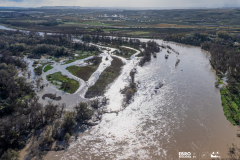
{"x": 185, "y": 115}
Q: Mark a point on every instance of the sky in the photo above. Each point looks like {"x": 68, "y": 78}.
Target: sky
{"x": 122, "y": 3}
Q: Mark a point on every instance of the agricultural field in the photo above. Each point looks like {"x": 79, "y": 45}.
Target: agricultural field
{"x": 133, "y": 23}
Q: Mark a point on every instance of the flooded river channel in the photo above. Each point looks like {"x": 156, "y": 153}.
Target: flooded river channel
{"x": 185, "y": 115}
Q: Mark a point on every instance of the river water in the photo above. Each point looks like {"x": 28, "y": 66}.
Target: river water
{"x": 185, "y": 115}
{"x": 5, "y": 28}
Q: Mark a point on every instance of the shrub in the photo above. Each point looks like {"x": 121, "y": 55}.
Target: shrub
{"x": 38, "y": 70}
{"x": 10, "y": 154}
{"x": 134, "y": 89}
{"x": 34, "y": 56}
{"x": 206, "y": 45}
{"x": 20, "y": 47}
{"x": 56, "y": 129}
{"x": 35, "y": 62}
{"x": 86, "y": 38}
{"x": 69, "y": 120}
{"x": 223, "y": 34}
{"x": 3, "y": 66}
{"x": 67, "y": 137}
{"x": 48, "y": 138}
{"x": 83, "y": 112}
{"x": 203, "y": 36}
{"x": 43, "y": 49}
{"x": 129, "y": 93}
{"x": 94, "y": 103}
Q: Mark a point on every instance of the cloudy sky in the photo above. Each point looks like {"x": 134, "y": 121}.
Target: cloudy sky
{"x": 121, "y": 3}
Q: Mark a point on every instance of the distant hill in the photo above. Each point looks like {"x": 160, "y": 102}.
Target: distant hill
{"x": 10, "y": 7}
{"x": 60, "y": 7}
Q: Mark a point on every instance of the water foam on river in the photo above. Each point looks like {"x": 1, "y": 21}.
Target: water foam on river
{"x": 185, "y": 115}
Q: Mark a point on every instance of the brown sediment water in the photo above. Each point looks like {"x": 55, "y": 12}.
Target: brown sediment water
{"x": 185, "y": 115}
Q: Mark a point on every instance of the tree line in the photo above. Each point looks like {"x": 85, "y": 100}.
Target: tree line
{"x": 110, "y": 40}
{"x": 149, "y": 47}
{"x": 34, "y": 45}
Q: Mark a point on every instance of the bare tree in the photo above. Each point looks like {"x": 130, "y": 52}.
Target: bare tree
{"x": 29, "y": 74}
{"x": 38, "y": 82}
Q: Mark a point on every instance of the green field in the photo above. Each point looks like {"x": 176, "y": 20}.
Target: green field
{"x": 105, "y": 30}
{"x": 86, "y": 71}
{"x": 87, "y": 23}
{"x": 138, "y": 33}
{"x": 47, "y": 68}
{"x": 67, "y": 84}
{"x": 82, "y": 72}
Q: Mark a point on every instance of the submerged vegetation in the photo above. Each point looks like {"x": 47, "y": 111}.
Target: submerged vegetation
{"x": 66, "y": 84}
{"x": 129, "y": 90}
